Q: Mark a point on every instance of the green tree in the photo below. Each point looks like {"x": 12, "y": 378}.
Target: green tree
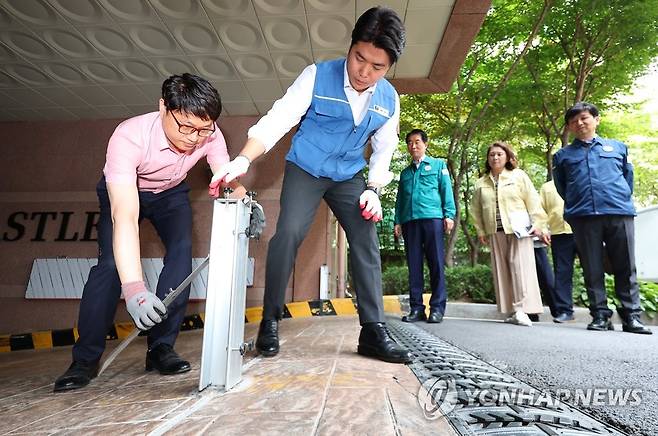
{"x": 567, "y": 50}
{"x": 636, "y": 126}
{"x": 588, "y": 50}
{"x": 455, "y": 120}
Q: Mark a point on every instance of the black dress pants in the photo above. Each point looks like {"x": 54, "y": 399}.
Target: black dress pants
{"x": 171, "y": 215}
{"x": 617, "y": 232}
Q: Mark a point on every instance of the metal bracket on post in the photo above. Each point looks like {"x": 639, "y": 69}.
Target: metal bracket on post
{"x": 223, "y": 335}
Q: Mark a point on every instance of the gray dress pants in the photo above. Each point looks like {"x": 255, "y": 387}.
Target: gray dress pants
{"x": 300, "y": 197}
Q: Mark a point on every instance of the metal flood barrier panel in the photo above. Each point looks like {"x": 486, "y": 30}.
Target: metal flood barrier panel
{"x": 223, "y": 334}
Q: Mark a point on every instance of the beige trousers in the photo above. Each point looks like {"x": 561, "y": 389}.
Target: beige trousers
{"x": 515, "y": 274}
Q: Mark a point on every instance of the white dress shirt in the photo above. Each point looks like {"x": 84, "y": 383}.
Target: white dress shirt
{"x": 289, "y": 109}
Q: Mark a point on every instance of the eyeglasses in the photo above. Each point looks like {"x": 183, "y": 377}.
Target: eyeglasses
{"x": 188, "y": 130}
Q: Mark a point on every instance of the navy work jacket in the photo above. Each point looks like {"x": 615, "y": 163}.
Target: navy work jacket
{"x": 594, "y": 179}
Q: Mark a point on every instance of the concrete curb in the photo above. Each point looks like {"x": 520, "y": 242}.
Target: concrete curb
{"x": 393, "y": 304}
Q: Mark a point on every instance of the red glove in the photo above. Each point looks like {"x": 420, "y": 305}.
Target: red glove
{"x": 227, "y": 173}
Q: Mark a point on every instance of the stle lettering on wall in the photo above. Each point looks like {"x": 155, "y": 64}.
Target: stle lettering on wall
{"x": 36, "y": 225}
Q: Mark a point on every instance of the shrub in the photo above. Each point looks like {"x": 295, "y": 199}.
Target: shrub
{"x": 474, "y": 283}
{"x": 648, "y": 293}
{"x": 462, "y": 282}
{"x": 395, "y": 280}
{"x": 649, "y": 298}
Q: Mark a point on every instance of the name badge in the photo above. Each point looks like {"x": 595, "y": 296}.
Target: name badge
{"x": 428, "y": 167}
{"x": 608, "y": 148}
{"x": 380, "y": 110}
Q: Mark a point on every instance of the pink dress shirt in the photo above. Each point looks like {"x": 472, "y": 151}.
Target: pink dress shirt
{"x": 138, "y": 152}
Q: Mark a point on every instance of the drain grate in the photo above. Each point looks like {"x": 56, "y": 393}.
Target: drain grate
{"x": 480, "y": 399}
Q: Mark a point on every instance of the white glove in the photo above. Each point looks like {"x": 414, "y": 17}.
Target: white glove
{"x": 145, "y": 307}
{"x": 227, "y": 173}
{"x": 372, "y": 207}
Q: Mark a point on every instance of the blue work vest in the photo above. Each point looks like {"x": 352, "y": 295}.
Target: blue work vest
{"x": 328, "y": 143}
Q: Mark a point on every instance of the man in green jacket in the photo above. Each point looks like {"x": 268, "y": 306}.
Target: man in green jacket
{"x": 424, "y": 211}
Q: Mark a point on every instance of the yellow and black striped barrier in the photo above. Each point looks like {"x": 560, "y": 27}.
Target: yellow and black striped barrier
{"x": 297, "y": 309}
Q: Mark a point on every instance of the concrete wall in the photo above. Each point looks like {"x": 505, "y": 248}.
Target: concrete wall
{"x": 48, "y": 174}
{"x": 646, "y": 241}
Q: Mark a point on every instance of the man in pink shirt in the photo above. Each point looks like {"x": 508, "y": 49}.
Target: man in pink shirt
{"x": 147, "y": 159}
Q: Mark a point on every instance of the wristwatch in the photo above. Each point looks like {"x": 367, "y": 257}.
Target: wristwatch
{"x": 375, "y": 190}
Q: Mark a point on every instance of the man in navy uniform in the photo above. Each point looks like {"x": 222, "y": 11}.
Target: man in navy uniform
{"x": 342, "y": 104}
{"x": 424, "y": 211}
{"x": 595, "y": 179}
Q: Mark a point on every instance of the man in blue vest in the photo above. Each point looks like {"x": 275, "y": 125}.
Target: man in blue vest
{"x": 595, "y": 179}
{"x": 342, "y": 104}
{"x": 424, "y": 211}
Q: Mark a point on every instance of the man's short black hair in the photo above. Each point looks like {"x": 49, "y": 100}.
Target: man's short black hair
{"x": 420, "y": 132}
{"x": 581, "y": 106}
{"x": 383, "y": 28}
{"x": 192, "y": 94}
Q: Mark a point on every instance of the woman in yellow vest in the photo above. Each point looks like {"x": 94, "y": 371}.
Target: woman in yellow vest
{"x": 507, "y": 214}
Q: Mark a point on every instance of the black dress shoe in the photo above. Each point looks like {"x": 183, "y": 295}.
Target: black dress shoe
{"x": 600, "y": 323}
{"x": 435, "y": 317}
{"x": 415, "y": 316}
{"x": 77, "y": 376}
{"x": 267, "y": 343}
{"x": 163, "y": 358}
{"x": 563, "y": 317}
{"x": 374, "y": 341}
{"x": 634, "y": 325}
{"x": 534, "y": 317}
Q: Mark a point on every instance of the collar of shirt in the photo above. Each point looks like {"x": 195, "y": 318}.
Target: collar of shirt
{"x": 420, "y": 161}
{"x": 348, "y": 85}
{"x": 590, "y": 142}
{"x": 162, "y": 138}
